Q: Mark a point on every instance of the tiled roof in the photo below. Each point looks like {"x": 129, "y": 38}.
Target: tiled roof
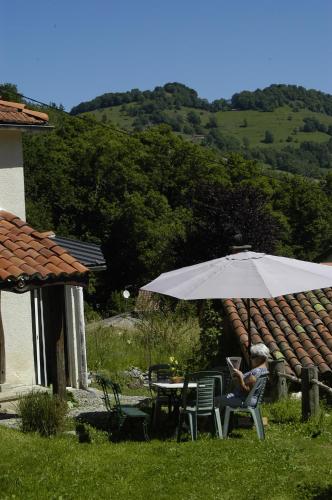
{"x": 89, "y": 254}
{"x": 295, "y": 327}
{"x": 18, "y": 114}
{"x": 29, "y": 258}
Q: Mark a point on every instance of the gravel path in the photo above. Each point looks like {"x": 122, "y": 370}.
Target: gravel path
{"x": 89, "y": 405}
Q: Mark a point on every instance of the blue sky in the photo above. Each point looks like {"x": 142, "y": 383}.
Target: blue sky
{"x": 68, "y": 51}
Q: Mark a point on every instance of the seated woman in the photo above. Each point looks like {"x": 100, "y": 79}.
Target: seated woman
{"x": 244, "y": 382}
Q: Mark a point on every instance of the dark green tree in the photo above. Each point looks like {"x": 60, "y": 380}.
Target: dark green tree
{"x": 193, "y": 118}
{"x": 9, "y": 92}
{"x": 268, "y": 137}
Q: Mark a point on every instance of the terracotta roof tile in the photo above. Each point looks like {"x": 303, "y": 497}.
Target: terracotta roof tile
{"x": 27, "y": 269}
{"x": 41, "y": 259}
{"x": 52, "y": 268}
{"x": 27, "y": 230}
{"x": 4, "y": 263}
{"x": 14, "y": 270}
{"x": 295, "y": 326}
{"x": 24, "y": 237}
{"x": 5, "y": 253}
{"x": 65, "y": 267}
{"x": 42, "y": 270}
{"x": 32, "y": 253}
{"x": 68, "y": 258}
{"x": 46, "y": 252}
{"x": 38, "y": 259}
{"x": 17, "y": 113}
{"x": 36, "y": 245}
{"x": 58, "y": 250}
{"x": 4, "y": 275}
{"x": 48, "y": 243}
{"x": 54, "y": 259}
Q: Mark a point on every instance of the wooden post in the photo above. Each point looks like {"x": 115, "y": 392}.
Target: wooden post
{"x": 310, "y": 393}
{"x": 2, "y": 350}
{"x": 280, "y": 388}
{"x": 57, "y": 298}
{"x": 248, "y": 304}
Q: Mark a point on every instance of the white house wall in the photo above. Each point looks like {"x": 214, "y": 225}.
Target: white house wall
{"x": 17, "y": 325}
{"x": 15, "y": 309}
{"x": 11, "y": 173}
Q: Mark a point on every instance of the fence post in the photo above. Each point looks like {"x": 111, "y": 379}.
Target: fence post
{"x": 280, "y": 388}
{"x": 310, "y": 392}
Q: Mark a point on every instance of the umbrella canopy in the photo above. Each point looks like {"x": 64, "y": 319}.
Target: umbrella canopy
{"x": 243, "y": 275}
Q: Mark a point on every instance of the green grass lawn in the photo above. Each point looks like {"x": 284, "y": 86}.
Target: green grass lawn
{"x": 294, "y": 461}
{"x": 289, "y": 464}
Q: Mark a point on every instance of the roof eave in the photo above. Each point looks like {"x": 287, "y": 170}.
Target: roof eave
{"x": 26, "y": 127}
{"x": 24, "y": 284}
{"x": 97, "y": 268}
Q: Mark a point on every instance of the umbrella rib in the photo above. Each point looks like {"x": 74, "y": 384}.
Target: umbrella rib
{"x": 263, "y": 281}
{"x": 214, "y": 272}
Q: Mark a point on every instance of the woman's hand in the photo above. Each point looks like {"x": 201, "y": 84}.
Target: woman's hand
{"x": 237, "y": 374}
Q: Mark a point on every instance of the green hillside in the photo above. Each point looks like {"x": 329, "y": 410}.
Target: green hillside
{"x": 284, "y": 123}
{"x": 295, "y": 136}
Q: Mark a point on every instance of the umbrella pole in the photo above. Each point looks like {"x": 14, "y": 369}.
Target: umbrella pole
{"x": 249, "y": 328}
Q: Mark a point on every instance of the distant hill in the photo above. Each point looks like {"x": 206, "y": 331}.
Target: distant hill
{"x": 285, "y": 127}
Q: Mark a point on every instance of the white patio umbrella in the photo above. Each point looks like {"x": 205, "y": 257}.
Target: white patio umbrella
{"x": 245, "y": 275}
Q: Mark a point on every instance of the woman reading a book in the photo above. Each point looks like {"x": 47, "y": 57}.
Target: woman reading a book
{"x": 244, "y": 382}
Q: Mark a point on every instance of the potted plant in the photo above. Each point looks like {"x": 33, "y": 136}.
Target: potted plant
{"x": 176, "y": 372}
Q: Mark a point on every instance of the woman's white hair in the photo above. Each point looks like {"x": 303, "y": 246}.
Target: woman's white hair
{"x": 259, "y": 350}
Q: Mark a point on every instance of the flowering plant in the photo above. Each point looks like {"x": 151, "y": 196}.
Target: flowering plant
{"x": 175, "y": 369}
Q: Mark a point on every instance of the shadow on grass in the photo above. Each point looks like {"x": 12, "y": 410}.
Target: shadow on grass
{"x": 165, "y": 429}
{"x": 315, "y": 492}
{"x": 8, "y": 416}
{"x": 131, "y": 430}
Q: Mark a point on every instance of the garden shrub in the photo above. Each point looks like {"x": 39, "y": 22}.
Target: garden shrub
{"x": 211, "y": 328}
{"x": 42, "y": 412}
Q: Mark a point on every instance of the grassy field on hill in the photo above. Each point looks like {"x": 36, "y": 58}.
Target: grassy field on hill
{"x": 284, "y": 123}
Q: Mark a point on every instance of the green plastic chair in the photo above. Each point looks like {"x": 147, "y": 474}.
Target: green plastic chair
{"x": 121, "y": 412}
{"x": 250, "y": 405}
{"x": 160, "y": 397}
{"x": 203, "y": 405}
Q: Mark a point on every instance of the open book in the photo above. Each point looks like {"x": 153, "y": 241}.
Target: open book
{"x": 233, "y": 362}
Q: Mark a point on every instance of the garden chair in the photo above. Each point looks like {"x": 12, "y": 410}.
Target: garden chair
{"x": 250, "y": 405}
{"x": 118, "y": 412}
{"x": 204, "y": 403}
{"x": 160, "y": 397}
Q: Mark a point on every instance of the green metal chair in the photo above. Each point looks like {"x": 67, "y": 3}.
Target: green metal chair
{"x": 250, "y": 405}
{"x": 203, "y": 405}
{"x": 118, "y": 412}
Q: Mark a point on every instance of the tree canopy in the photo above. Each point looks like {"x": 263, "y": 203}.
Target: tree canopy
{"x": 155, "y": 201}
